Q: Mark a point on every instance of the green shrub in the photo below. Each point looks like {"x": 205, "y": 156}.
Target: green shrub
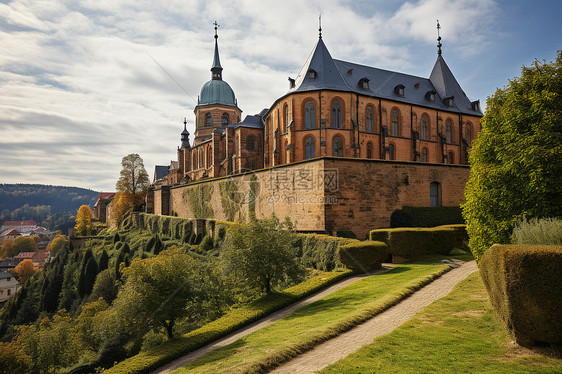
{"x": 409, "y": 243}
{"x": 319, "y": 251}
{"x": 207, "y": 243}
{"x": 346, "y": 234}
{"x": 410, "y": 216}
{"x": 523, "y": 282}
{"x": 538, "y": 231}
{"x": 363, "y": 255}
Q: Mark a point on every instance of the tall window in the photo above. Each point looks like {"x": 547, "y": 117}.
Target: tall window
{"x": 336, "y": 114}
{"x": 449, "y": 131}
{"x": 251, "y": 143}
{"x": 391, "y": 153}
{"x": 468, "y": 133}
{"x": 224, "y": 119}
{"x": 424, "y": 127}
{"x": 208, "y": 119}
{"x": 369, "y": 114}
{"x": 369, "y": 150}
{"x": 309, "y": 115}
{"x": 424, "y": 155}
{"x": 284, "y": 153}
{"x": 337, "y": 146}
{"x": 394, "y": 118}
{"x": 309, "y": 148}
{"x": 434, "y": 198}
{"x": 209, "y": 157}
{"x": 451, "y": 158}
{"x": 286, "y": 118}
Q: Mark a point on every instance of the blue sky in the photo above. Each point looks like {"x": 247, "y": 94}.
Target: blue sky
{"x": 83, "y": 84}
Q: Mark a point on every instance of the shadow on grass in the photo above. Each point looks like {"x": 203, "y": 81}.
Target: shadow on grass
{"x": 217, "y": 355}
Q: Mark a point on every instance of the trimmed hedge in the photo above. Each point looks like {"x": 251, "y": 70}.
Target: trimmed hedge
{"x": 319, "y": 251}
{"x": 173, "y": 227}
{"x": 149, "y": 360}
{"x": 410, "y": 216}
{"x": 363, "y": 256}
{"x": 523, "y": 282}
{"x": 410, "y": 243}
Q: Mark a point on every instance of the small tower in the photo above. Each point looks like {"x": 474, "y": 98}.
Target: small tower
{"x": 185, "y": 135}
{"x": 217, "y": 106}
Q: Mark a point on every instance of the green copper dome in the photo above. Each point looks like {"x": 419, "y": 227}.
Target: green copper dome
{"x": 217, "y": 92}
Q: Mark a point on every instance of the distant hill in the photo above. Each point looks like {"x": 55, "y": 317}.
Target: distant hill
{"x": 49, "y": 206}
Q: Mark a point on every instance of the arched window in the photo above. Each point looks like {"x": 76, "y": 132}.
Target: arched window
{"x": 200, "y": 158}
{"x": 209, "y": 157}
{"x": 286, "y": 118}
{"x": 251, "y": 143}
{"x": 369, "y": 150}
{"x": 224, "y": 119}
{"x": 424, "y": 127}
{"x": 309, "y": 115}
{"x": 451, "y": 158}
{"x": 336, "y": 114}
{"x": 449, "y": 131}
{"x": 468, "y": 133}
{"x": 309, "y": 148}
{"x": 284, "y": 153}
{"x": 391, "y": 153}
{"x": 369, "y": 114}
{"x": 394, "y": 118}
{"x": 434, "y": 198}
{"x": 208, "y": 119}
{"x": 337, "y": 146}
{"x": 424, "y": 155}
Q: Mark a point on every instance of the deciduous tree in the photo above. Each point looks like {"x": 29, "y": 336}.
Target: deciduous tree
{"x": 84, "y": 221}
{"x": 134, "y": 178}
{"x": 516, "y": 160}
{"x": 24, "y": 270}
{"x": 59, "y": 243}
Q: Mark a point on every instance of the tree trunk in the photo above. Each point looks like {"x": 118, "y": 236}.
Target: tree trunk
{"x": 170, "y": 329}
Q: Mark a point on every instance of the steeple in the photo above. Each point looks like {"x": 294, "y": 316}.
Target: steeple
{"x": 185, "y": 135}
{"x": 217, "y": 68}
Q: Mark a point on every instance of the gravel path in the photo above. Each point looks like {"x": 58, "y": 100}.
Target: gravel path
{"x": 229, "y": 339}
{"x": 339, "y": 347}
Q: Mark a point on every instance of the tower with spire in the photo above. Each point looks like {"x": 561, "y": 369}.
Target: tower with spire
{"x": 217, "y": 106}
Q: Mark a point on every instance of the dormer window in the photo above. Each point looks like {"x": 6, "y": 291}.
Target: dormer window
{"x": 291, "y": 83}
{"x": 430, "y": 96}
{"x": 476, "y": 105}
{"x": 364, "y": 83}
{"x": 399, "y": 90}
{"x": 312, "y": 73}
{"x": 449, "y": 101}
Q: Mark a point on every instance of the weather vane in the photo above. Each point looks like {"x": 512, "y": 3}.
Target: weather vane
{"x": 438, "y": 39}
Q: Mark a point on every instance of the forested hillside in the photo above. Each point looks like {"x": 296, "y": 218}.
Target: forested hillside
{"x": 49, "y": 206}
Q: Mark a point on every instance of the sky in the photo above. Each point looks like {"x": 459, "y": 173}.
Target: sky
{"x": 84, "y": 83}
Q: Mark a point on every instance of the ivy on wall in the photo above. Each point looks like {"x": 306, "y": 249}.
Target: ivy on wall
{"x": 199, "y": 198}
{"x": 231, "y": 198}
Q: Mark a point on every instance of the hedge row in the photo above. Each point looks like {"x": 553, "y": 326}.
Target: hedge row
{"x": 144, "y": 362}
{"x": 410, "y": 216}
{"x": 363, "y": 255}
{"x": 319, "y": 251}
{"x": 523, "y": 282}
{"x": 409, "y": 243}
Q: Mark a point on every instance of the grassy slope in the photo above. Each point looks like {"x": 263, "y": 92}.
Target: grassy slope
{"x": 457, "y": 334}
{"x": 317, "y": 322}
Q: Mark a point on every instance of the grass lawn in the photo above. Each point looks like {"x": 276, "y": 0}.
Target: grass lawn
{"x": 457, "y": 334}
{"x": 318, "y": 321}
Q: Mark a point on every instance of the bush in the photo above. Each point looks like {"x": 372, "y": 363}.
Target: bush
{"x": 538, "y": 231}
{"x": 207, "y": 243}
{"x": 410, "y": 216}
{"x": 363, "y": 256}
{"x": 410, "y": 243}
{"x": 319, "y": 251}
{"x": 523, "y": 282}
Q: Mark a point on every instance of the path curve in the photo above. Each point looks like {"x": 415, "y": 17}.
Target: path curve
{"x": 341, "y": 346}
{"x": 229, "y": 339}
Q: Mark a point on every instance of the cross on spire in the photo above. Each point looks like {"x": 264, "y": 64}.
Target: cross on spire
{"x": 439, "y": 45}
{"x": 216, "y": 28}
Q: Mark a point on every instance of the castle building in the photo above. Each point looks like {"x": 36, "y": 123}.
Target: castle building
{"x": 334, "y": 111}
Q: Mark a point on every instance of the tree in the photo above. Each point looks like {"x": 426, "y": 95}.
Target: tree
{"x": 8, "y": 249}
{"x": 59, "y": 243}
{"x": 157, "y": 291}
{"x": 134, "y": 178}
{"x": 260, "y": 254}
{"x": 515, "y": 161}
{"x": 122, "y": 203}
{"x": 84, "y": 217}
{"x": 24, "y": 270}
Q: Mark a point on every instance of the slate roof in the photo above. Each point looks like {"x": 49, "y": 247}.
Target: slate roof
{"x": 5, "y": 274}
{"x": 322, "y": 72}
{"x": 249, "y": 121}
{"x": 160, "y": 171}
